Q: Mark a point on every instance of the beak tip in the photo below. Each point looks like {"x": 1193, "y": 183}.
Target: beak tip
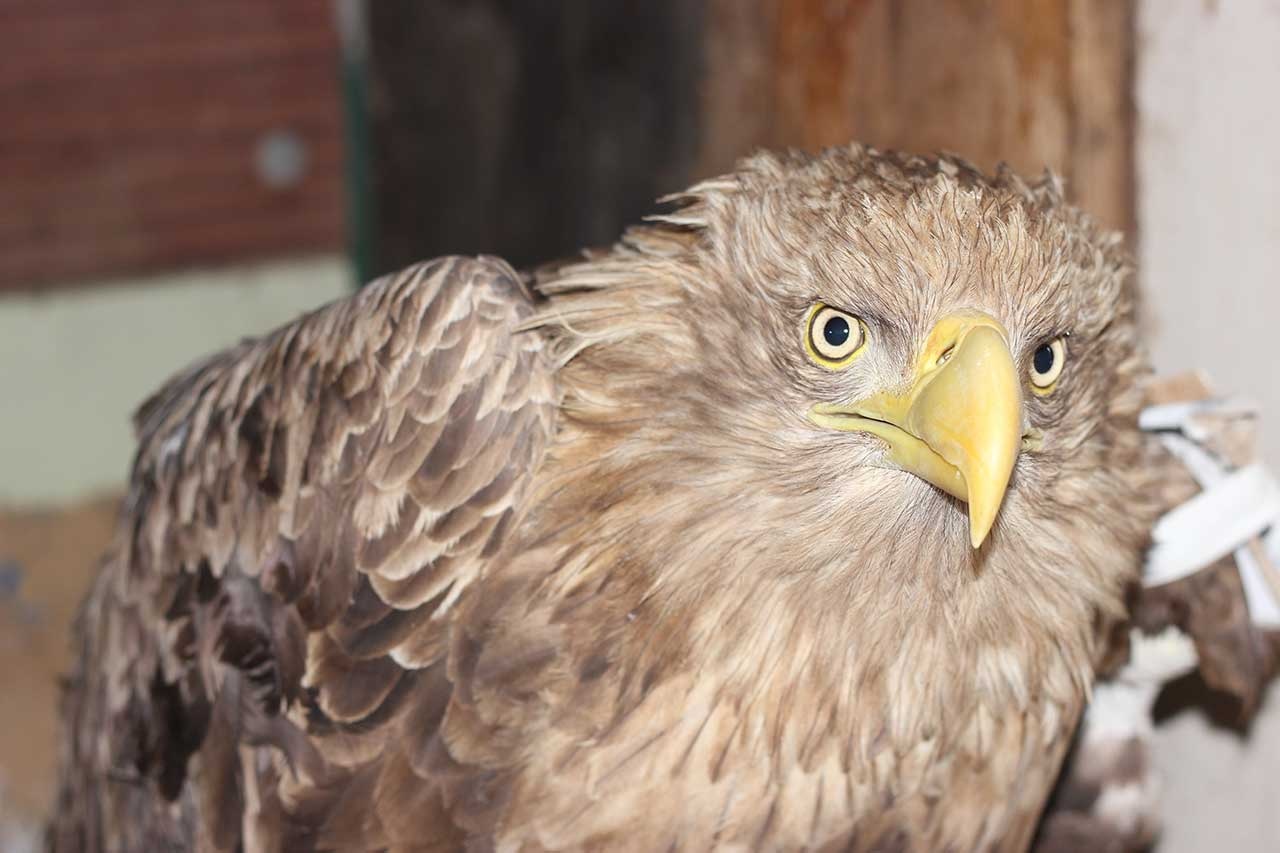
{"x": 980, "y": 524}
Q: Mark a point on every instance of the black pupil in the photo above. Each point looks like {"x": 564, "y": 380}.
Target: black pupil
{"x": 836, "y": 331}
{"x": 1043, "y": 360}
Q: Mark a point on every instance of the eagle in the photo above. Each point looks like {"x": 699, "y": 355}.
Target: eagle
{"x": 800, "y": 518}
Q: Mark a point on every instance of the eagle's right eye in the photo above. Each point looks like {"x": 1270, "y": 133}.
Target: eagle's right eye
{"x": 833, "y": 338}
{"x": 1047, "y": 363}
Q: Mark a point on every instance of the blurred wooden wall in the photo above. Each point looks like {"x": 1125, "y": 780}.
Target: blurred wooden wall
{"x": 530, "y": 130}
{"x": 1030, "y": 82}
{"x": 136, "y": 137}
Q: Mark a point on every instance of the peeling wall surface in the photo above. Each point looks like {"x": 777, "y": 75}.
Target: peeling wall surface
{"x": 1208, "y": 137}
{"x": 74, "y": 364}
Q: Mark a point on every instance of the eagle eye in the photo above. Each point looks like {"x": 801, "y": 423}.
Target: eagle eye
{"x": 833, "y": 337}
{"x": 1047, "y": 363}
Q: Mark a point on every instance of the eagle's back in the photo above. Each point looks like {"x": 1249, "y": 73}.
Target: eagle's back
{"x": 304, "y": 511}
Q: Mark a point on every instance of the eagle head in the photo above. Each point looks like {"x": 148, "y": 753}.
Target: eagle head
{"x": 875, "y": 411}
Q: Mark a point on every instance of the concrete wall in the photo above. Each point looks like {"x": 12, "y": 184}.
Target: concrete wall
{"x": 1208, "y": 155}
{"x": 75, "y": 363}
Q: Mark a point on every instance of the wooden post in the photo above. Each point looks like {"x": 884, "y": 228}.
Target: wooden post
{"x": 530, "y": 130}
{"x": 1035, "y": 83}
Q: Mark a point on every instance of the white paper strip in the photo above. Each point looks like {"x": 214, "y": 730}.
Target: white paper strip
{"x": 1213, "y": 524}
{"x": 1178, "y": 416}
{"x": 1232, "y": 508}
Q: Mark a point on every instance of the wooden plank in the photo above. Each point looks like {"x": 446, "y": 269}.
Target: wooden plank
{"x": 133, "y": 134}
{"x": 532, "y": 129}
{"x": 297, "y": 223}
{"x": 1102, "y": 170}
{"x": 1035, "y": 83}
{"x": 157, "y": 160}
{"x": 209, "y": 200}
{"x": 53, "y": 556}
{"x": 188, "y": 123}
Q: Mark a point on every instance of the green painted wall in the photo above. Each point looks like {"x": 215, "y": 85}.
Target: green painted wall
{"x": 75, "y": 363}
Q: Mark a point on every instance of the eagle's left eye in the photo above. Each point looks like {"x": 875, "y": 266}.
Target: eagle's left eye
{"x": 833, "y": 336}
{"x": 1047, "y": 363}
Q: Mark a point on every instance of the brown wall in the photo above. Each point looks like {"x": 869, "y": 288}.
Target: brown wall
{"x": 130, "y": 130}
{"x": 1030, "y": 82}
{"x": 530, "y": 130}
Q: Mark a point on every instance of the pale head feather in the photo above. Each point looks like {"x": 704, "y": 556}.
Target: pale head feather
{"x": 785, "y": 562}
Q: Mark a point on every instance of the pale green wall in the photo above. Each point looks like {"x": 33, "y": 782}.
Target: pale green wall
{"x": 74, "y": 364}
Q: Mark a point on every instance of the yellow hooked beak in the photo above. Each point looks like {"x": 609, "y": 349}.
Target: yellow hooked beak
{"x": 959, "y": 423}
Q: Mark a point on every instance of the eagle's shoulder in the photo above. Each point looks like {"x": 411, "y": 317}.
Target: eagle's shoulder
{"x": 304, "y": 511}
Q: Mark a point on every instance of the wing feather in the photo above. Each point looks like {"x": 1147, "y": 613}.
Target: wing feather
{"x": 304, "y": 509}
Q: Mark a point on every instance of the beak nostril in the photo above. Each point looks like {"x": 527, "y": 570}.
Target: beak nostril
{"x": 945, "y": 356}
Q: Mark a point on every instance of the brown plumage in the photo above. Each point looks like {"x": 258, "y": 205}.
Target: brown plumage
{"x": 567, "y": 562}
{"x": 1108, "y": 797}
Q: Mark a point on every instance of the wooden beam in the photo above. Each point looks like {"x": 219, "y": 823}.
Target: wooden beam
{"x": 1036, "y": 83}
{"x": 134, "y": 136}
{"x": 530, "y": 130}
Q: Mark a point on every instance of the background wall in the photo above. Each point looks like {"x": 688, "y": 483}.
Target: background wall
{"x": 80, "y": 359}
{"x": 1208, "y": 116}
{"x": 148, "y": 135}
{"x": 177, "y": 185}
{"x": 171, "y": 179}
{"x": 1208, "y": 207}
